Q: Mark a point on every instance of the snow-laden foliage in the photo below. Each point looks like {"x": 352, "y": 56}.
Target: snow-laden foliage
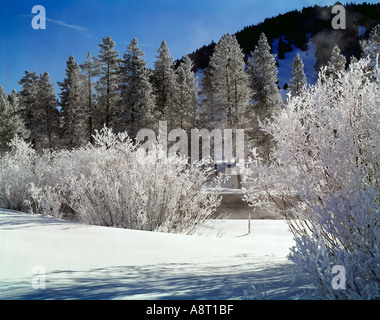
{"x": 336, "y": 64}
{"x": 107, "y": 86}
{"x": 164, "y": 85}
{"x": 111, "y": 183}
{"x": 262, "y": 71}
{"x": 229, "y": 83}
{"x": 298, "y": 80}
{"x": 371, "y": 47}
{"x": 17, "y": 175}
{"x": 137, "y": 100}
{"x": 324, "y": 176}
{"x": 11, "y": 122}
{"x": 73, "y": 105}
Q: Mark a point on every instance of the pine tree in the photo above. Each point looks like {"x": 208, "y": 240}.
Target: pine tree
{"x": 298, "y": 80}
{"x": 73, "y": 104}
{"x": 11, "y": 123}
{"x": 186, "y": 95}
{"x": 45, "y": 123}
{"x": 336, "y": 64}
{"x": 28, "y": 99}
{"x": 164, "y": 81}
{"x": 371, "y": 47}
{"x": 229, "y": 81}
{"x": 107, "y": 85}
{"x": 262, "y": 71}
{"x": 208, "y": 116}
{"x": 89, "y": 69}
{"x": 137, "y": 98}
{"x": 14, "y": 100}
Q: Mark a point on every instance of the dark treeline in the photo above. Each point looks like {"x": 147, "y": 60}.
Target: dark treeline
{"x": 298, "y": 26}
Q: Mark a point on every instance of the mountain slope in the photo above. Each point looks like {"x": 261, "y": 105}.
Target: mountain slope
{"x": 308, "y": 32}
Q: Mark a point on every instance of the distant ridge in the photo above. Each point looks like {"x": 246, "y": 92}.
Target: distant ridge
{"x": 294, "y": 29}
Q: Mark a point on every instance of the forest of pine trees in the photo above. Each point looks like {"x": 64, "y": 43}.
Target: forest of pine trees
{"x": 122, "y": 93}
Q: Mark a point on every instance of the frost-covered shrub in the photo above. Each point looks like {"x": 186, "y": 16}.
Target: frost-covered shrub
{"x": 52, "y": 187}
{"x": 129, "y": 188}
{"x": 17, "y": 174}
{"x": 324, "y": 176}
{"x": 112, "y": 183}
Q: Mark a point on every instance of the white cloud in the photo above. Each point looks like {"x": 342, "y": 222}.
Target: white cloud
{"x": 60, "y": 23}
{"x": 64, "y": 24}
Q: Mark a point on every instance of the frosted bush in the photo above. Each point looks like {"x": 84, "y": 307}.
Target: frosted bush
{"x": 130, "y": 188}
{"x": 112, "y": 183}
{"x": 17, "y": 175}
{"x": 324, "y": 177}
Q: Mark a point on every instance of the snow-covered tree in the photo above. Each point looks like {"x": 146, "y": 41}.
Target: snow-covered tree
{"x": 38, "y": 108}
{"x": 74, "y": 106}
{"x": 89, "y": 69}
{"x": 107, "y": 84}
{"x": 325, "y": 179}
{"x": 28, "y": 98}
{"x": 186, "y": 95}
{"x": 164, "y": 83}
{"x": 262, "y": 71}
{"x": 137, "y": 98}
{"x": 371, "y": 47}
{"x": 208, "y": 113}
{"x": 229, "y": 82}
{"x": 336, "y": 64}
{"x": 11, "y": 123}
{"x": 45, "y": 122}
{"x": 298, "y": 80}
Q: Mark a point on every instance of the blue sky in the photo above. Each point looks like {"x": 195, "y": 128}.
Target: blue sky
{"x": 73, "y": 27}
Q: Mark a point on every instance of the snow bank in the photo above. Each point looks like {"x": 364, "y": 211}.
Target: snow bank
{"x": 92, "y": 262}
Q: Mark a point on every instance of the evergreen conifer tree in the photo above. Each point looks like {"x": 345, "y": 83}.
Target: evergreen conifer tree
{"x": 89, "y": 69}
{"x": 337, "y": 63}
{"x": 186, "y": 97}
{"x": 371, "y": 47}
{"x": 262, "y": 71}
{"x": 298, "y": 80}
{"x": 11, "y": 123}
{"x": 208, "y": 114}
{"x": 137, "y": 97}
{"x": 28, "y": 100}
{"x": 73, "y": 104}
{"x": 107, "y": 84}
{"x": 164, "y": 82}
{"x": 229, "y": 82}
{"x": 45, "y": 123}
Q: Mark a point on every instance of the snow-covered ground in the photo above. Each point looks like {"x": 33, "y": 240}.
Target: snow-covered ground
{"x": 91, "y": 262}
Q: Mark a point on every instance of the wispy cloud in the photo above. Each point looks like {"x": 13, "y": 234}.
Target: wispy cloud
{"x": 59, "y": 23}
{"x": 64, "y": 24}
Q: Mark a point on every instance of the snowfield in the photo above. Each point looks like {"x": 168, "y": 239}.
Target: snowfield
{"x": 92, "y": 262}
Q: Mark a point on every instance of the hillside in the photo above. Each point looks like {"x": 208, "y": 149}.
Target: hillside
{"x": 308, "y": 32}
